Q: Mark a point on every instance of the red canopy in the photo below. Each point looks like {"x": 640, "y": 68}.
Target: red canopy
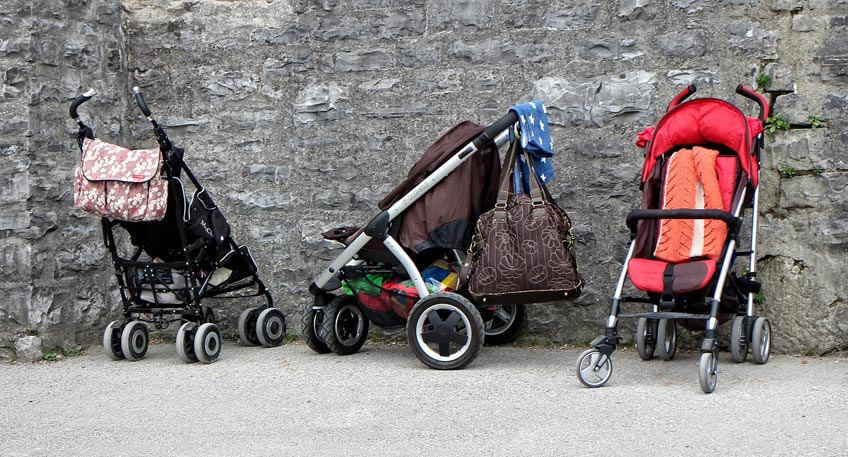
{"x": 702, "y": 121}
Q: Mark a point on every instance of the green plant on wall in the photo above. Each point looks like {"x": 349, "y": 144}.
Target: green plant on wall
{"x": 815, "y": 122}
{"x": 763, "y": 80}
{"x": 787, "y": 172}
{"x": 776, "y": 122}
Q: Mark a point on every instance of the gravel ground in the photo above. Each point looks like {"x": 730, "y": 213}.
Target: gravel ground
{"x": 290, "y": 401}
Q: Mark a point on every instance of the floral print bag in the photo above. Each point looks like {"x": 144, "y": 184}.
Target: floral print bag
{"x": 523, "y": 249}
{"x": 120, "y": 183}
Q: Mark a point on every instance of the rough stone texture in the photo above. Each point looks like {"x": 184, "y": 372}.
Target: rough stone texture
{"x": 28, "y": 349}
{"x": 299, "y": 115}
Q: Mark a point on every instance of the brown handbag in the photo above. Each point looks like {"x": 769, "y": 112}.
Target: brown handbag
{"x": 522, "y": 250}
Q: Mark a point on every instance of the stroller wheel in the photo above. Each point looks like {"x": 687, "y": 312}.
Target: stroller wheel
{"x": 185, "y": 342}
{"x": 112, "y": 340}
{"x": 646, "y": 341}
{"x": 344, "y": 328}
{"x": 207, "y": 343}
{"x": 311, "y": 321}
{"x": 445, "y": 331}
{"x": 134, "y": 340}
{"x": 738, "y": 340}
{"x": 593, "y": 368}
{"x": 707, "y": 371}
{"x": 505, "y": 323}
{"x": 761, "y": 340}
{"x": 666, "y": 338}
{"x": 247, "y": 328}
{"x": 271, "y": 327}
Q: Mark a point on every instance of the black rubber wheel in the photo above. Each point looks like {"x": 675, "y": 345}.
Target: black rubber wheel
{"x": 761, "y": 340}
{"x": 708, "y": 371}
{"x": 271, "y": 327}
{"x": 185, "y": 342}
{"x": 247, "y": 327}
{"x": 112, "y": 340}
{"x": 344, "y": 328}
{"x": 666, "y": 338}
{"x": 445, "y": 331}
{"x": 505, "y": 324}
{"x": 646, "y": 338}
{"x": 134, "y": 340}
{"x": 311, "y": 322}
{"x": 738, "y": 340}
{"x": 207, "y": 343}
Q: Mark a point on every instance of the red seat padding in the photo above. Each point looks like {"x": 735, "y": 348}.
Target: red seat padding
{"x": 647, "y": 275}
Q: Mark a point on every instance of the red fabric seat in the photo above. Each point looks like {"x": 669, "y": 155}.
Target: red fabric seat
{"x": 647, "y": 275}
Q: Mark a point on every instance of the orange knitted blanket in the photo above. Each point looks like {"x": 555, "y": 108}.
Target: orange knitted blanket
{"x": 691, "y": 183}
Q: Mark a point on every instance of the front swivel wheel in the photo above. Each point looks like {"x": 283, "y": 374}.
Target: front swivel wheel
{"x": 708, "y": 371}
{"x": 594, "y": 368}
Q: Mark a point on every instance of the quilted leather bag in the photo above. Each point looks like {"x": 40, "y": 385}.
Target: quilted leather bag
{"x": 120, "y": 183}
{"x": 522, "y": 250}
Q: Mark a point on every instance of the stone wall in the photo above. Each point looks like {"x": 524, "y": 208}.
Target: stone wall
{"x": 299, "y": 115}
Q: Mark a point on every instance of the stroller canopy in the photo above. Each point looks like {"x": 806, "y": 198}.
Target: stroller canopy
{"x": 445, "y": 216}
{"x": 705, "y": 121}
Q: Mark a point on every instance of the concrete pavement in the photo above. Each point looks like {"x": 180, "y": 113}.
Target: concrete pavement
{"x": 289, "y": 401}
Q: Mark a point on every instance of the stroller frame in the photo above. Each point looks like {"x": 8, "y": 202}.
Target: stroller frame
{"x": 345, "y": 326}
{"x": 142, "y": 284}
{"x": 657, "y": 328}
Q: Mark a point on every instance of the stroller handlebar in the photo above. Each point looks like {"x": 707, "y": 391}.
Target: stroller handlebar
{"x": 683, "y": 95}
{"x": 140, "y": 101}
{"x": 492, "y": 131}
{"x": 79, "y": 101}
{"x": 756, "y": 97}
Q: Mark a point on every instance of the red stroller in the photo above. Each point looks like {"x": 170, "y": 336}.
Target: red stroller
{"x": 700, "y": 175}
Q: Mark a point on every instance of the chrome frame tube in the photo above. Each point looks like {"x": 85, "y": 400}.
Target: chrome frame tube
{"x": 396, "y": 209}
{"x": 712, "y": 323}
{"x": 752, "y": 265}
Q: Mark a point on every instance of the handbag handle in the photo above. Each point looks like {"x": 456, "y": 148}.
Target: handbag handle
{"x": 539, "y": 194}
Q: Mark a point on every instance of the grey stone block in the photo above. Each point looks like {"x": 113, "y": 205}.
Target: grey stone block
{"x": 637, "y": 9}
{"x": 688, "y": 44}
{"x": 28, "y": 349}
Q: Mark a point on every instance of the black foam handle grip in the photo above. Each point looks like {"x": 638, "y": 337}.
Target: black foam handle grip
{"x": 139, "y": 100}
{"x": 79, "y": 101}
{"x": 490, "y": 132}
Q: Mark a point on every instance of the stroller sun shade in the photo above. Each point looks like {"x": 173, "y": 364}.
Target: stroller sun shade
{"x": 445, "y": 216}
{"x": 705, "y": 121}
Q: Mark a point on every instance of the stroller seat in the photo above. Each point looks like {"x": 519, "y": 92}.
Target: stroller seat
{"x": 686, "y": 251}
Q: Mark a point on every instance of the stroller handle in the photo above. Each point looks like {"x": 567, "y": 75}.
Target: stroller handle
{"x": 756, "y": 97}
{"x": 79, "y": 101}
{"x": 683, "y": 95}
{"x": 492, "y": 131}
{"x": 161, "y": 136}
{"x": 140, "y": 102}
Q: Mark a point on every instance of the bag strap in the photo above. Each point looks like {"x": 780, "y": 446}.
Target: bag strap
{"x": 506, "y": 174}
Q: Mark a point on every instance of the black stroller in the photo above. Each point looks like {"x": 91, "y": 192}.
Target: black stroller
{"x": 181, "y": 254}
{"x": 401, "y": 269}
{"x": 700, "y": 175}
